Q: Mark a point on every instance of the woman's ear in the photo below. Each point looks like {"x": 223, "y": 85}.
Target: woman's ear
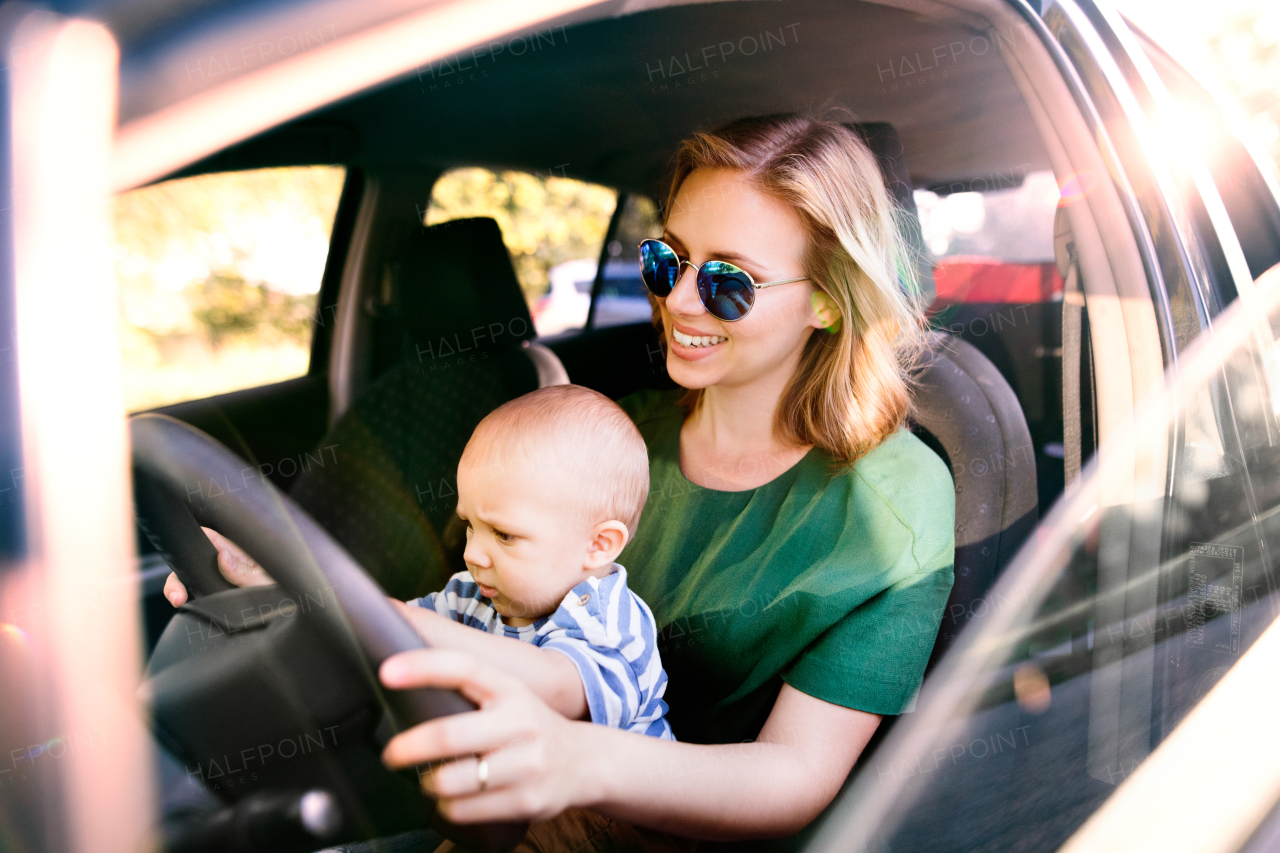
{"x": 607, "y": 541}
{"x": 825, "y": 313}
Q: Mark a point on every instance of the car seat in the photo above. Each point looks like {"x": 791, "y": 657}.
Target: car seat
{"x": 967, "y": 413}
{"x": 453, "y": 335}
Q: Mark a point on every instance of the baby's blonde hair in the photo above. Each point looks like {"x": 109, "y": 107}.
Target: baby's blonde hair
{"x": 590, "y": 439}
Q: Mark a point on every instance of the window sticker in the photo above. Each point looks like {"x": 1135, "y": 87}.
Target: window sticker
{"x": 1215, "y": 576}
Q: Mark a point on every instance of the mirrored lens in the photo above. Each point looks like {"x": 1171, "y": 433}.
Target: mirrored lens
{"x": 659, "y": 267}
{"x": 727, "y": 292}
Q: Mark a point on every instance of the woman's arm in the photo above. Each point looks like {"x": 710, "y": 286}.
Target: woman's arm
{"x": 540, "y": 764}
{"x": 773, "y": 787}
{"x": 550, "y": 675}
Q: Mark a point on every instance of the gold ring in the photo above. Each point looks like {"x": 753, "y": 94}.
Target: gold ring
{"x": 482, "y": 774}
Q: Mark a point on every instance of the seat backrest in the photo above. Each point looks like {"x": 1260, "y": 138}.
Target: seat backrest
{"x": 453, "y": 332}
{"x": 966, "y": 411}
{"x": 448, "y": 292}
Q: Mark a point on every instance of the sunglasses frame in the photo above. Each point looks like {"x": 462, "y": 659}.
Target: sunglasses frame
{"x": 697, "y": 270}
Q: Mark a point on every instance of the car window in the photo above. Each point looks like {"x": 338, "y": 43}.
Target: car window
{"x": 992, "y": 237}
{"x": 553, "y": 226}
{"x": 1121, "y": 615}
{"x": 218, "y": 277}
{"x": 623, "y": 298}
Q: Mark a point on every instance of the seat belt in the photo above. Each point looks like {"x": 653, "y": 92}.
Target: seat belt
{"x": 1064, "y": 251}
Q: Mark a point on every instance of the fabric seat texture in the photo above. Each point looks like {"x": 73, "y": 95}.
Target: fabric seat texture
{"x": 968, "y": 414}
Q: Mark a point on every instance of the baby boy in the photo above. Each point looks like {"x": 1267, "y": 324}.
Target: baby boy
{"x": 551, "y": 486}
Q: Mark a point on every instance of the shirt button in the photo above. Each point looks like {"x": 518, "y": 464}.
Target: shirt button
{"x": 584, "y": 598}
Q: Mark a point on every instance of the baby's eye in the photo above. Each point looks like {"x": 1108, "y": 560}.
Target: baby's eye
{"x": 504, "y": 537}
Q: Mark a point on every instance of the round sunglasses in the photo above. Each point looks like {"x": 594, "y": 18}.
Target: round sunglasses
{"x": 726, "y": 291}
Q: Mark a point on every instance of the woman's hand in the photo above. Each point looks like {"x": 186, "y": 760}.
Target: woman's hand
{"x": 236, "y": 566}
{"x": 537, "y": 762}
{"x": 430, "y": 625}
{"x": 551, "y": 675}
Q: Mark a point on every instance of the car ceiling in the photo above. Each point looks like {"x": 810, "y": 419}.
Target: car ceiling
{"x": 602, "y": 100}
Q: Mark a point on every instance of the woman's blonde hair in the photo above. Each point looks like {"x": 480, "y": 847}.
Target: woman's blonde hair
{"x": 851, "y": 389}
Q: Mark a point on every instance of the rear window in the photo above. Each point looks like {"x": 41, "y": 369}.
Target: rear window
{"x": 623, "y": 298}
{"x": 992, "y": 238}
{"x": 999, "y": 288}
{"x": 553, "y": 226}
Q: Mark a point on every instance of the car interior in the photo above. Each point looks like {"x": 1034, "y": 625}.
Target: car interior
{"x": 421, "y": 329}
{"x": 391, "y": 286}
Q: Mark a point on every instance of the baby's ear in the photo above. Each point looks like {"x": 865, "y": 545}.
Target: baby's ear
{"x": 607, "y": 541}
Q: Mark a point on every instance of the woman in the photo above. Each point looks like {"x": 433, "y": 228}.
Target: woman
{"x": 795, "y": 535}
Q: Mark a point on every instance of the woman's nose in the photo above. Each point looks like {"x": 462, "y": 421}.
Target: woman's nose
{"x": 683, "y": 298}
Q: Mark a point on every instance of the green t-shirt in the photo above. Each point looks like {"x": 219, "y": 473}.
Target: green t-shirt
{"x": 833, "y": 584}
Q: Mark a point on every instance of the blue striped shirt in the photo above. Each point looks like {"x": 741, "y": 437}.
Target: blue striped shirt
{"x": 602, "y": 626}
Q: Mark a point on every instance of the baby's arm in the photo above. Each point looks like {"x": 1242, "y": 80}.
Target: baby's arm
{"x": 552, "y": 676}
{"x": 620, "y": 670}
{"x": 457, "y": 602}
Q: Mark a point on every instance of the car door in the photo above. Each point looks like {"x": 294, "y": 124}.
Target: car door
{"x": 1110, "y": 695}
{"x": 60, "y": 84}
{"x": 1197, "y": 193}
{"x": 1121, "y": 642}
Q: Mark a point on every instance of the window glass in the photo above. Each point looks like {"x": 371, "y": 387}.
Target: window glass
{"x": 553, "y": 226}
{"x": 218, "y": 280}
{"x": 1136, "y": 598}
{"x": 623, "y": 296}
{"x": 1004, "y": 220}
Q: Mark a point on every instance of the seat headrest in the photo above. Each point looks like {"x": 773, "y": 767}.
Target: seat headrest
{"x": 882, "y": 139}
{"x": 457, "y": 288}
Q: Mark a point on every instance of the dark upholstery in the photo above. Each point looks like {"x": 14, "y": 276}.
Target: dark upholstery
{"x": 966, "y": 411}
{"x": 458, "y": 289}
{"x": 448, "y": 294}
{"x": 457, "y": 318}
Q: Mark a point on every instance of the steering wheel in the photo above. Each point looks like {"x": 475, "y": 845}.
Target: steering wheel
{"x": 185, "y": 479}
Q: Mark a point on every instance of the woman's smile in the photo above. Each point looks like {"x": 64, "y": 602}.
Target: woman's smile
{"x": 697, "y": 340}
{"x": 692, "y": 345}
